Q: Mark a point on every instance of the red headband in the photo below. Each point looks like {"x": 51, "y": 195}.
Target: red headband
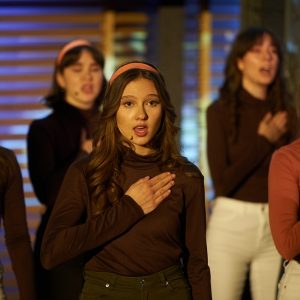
{"x": 129, "y": 66}
{"x": 69, "y": 46}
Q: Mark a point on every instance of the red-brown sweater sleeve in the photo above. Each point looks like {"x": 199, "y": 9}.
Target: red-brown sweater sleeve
{"x": 67, "y": 237}
{"x": 16, "y": 230}
{"x": 284, "y": 192}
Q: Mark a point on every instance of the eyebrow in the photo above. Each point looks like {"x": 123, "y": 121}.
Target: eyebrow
{"x": 127, "y": 96}
{"x": 81, "y": 63}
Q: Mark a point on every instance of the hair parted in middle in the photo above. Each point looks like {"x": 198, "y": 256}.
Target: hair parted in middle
{"x": 104, "y": 164}
{"x": 68, "y": 58}
{"x": 232, "y": 84}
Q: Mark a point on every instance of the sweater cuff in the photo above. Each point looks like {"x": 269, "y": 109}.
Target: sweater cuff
{"x": 133, "y": 205}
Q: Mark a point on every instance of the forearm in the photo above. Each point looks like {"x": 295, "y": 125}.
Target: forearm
{"x": 63, "y": 242}
{"x": 22, "y": 263}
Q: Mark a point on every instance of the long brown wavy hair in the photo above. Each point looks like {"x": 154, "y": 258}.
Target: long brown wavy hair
{"x": 105, "y": 160}
{"x": 277, "y": 93}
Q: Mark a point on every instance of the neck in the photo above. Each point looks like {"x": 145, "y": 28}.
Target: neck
{"x": 256, "y": 90}
{"x": 80, "y": 105}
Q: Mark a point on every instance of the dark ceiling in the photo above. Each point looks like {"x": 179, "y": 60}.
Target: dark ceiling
{"x": 108, "y": 4}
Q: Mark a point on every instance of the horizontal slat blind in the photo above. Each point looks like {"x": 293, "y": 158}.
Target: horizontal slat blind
{"x": 29, "y": 41}
{"x": 224, "y": 24}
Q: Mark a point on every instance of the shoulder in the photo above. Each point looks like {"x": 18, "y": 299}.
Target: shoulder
{"x": 188, "y": 170}
{"x": 49, "y": 121}
{"x": 286, "y": 160}
{"x": 8, "y": 156}
{"x": 217, "y": 107}
{"x": 289, "y": 152}
{"x": 54, "y": 123}
{"x": 4, "y": 152}
{"x": 9, "y": 161}
{"x": 81, "y": 164}
{"x": 190, "y": 181}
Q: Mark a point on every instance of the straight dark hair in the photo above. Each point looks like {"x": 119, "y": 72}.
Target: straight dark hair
{"x": 57, "y": 94}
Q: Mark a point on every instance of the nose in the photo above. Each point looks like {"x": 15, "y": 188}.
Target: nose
{"x": 268, "y": 54}
{"x": 87, "y": 75}
{"x": 141, "y": 113}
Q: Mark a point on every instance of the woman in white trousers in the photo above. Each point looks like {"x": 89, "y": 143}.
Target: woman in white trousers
{"x": 249, "y": 121}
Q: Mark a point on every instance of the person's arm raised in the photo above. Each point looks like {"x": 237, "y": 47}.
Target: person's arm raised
{"x": 148, "y": 192}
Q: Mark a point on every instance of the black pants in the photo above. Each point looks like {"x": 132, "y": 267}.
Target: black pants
{"x": 168, "y": 284}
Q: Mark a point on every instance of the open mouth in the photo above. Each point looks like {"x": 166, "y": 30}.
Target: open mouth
{"x": 141, "y": 130}
{"x": 265, "y": 70}
{"x": 87, "y": 88}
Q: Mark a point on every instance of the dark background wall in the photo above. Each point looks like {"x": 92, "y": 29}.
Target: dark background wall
{"x": 282, "y": 17}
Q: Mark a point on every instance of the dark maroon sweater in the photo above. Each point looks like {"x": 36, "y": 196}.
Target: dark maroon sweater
{"x": 122, "y": 238}
{"x": 239, "y": 169}
{"x": 13, "y": 214}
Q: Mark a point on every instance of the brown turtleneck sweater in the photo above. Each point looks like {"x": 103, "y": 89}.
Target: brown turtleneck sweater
{"x": 13, "y": 214}
{"x": 124, "y": 240}
{"x": 239, "y": 169}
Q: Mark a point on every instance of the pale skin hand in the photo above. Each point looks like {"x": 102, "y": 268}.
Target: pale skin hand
{"x": 148, "y": 192}
{"x": 86, "y": 144}
{"x": 272, "y": 127}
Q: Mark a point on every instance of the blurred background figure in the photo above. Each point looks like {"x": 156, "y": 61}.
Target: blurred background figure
{"x": 55, "y": 141}
{"x": 284, "y": 215}
{"x": 251, "y": 118}
{"x": 13, "y": 215}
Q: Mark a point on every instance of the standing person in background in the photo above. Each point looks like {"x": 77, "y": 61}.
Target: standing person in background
{"x": 57, "y": 140}
{"x": 284, "y": 201}
{"x": 245, "y": 125}
{"x": 144, "y": 229}
{"x": 13, "y": 214}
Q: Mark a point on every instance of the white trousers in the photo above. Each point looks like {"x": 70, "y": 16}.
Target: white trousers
{"x": 239, "y": 239}
{"x": 289, "y": 286}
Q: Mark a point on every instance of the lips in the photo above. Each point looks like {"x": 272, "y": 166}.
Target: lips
{"x": 87, "y": 88}
{"x": 141, "y": 131}
{"x": 265, "y": 69}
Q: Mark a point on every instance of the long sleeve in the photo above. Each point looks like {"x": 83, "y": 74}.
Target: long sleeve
{"x": 229, "y": 171}
{"x": 72, "y": 232}
{"x": 16, "y": 231}
{"x": 284, "y": 200}
{"x": 195, "y": 238}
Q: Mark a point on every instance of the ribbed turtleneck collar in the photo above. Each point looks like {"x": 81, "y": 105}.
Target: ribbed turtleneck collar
{"x": 130, "y": 158}
{"x": 246, "y": 97}
{"x": 85, "y": 113}
{"x": 83, "y": 118}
